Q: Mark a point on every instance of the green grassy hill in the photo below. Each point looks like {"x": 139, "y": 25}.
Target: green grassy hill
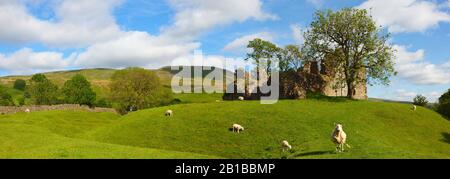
{"x": 100, "y": 80}
{"x": 201, "y": 130}
{"x": 57, "y": 134}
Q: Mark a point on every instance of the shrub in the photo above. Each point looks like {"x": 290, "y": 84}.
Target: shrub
{"x": 78, "y": 91}
{"x": 27, "y": 94}
{"x": 21, "y": 101}
{"x": 103, "y": 103}
{"x": 420, "y": 100}
{"x": 42, "y": 91}
{"x": 20, "y": 84}
{"x": 137, "y": 88}
{"x": 5, "y": 98}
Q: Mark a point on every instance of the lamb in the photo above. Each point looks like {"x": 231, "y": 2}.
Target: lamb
{"x": 339, "y": 138}
{"x": 414, "y": 108}
{"x": 169, "y": 113}
{"x": 27, "y": 110}
{"x": 285, "y": 146}
{"x": 241, "y": 98}
{"x": 237, "y": 128}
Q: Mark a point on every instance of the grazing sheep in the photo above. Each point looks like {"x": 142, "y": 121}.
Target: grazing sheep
{"x": 169, "y": 113}
{"x": 285, "y": 146}
{"x": 339, "y": 138}
{"x": 414, "y": 108}
{"x": 27, "y": 111}
{"x": 241, "y": 98}
{"x": 237, "y": 128}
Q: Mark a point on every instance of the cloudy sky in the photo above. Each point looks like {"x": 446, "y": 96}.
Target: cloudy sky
{"x": 48, "y": 35}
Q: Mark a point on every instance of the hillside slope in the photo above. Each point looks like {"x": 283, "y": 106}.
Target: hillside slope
{"x": 201, "y": 130}
{"x": 99, "y": 78}
{"x": 375, "y": 130}
{"x": 55, "y": 135}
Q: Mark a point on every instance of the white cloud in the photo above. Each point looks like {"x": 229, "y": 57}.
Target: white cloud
{"x": 433, "y": 96}
{"x": 446, "y": 65}
{"x": 194, "y": 17}
{"x": 177, "y": 40}
{"x": 76, "y": 23}
{"x": 134, "y": 49}
{"x": 90, "y": 24}
{"x": 405, "y": 95}
{"x": 406, "y": 15}
{"x": 26, "y": 61}
{"x": 297, "y": 33}
{"x": 240, "y": 44}
{"x": 413, "y": 67}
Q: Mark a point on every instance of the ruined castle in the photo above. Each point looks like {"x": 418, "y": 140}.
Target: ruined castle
{"x": 313, "y": 77}
{"x": 327, "y": 83}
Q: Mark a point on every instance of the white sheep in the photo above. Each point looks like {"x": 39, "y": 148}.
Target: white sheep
{"x": 339, "y": 137}
{"x": 237, "y": 128}
{"x": 285, "y": 146}
{"x": 241, "y": 98}
{"x": 169, "y": 113}
{"x": 27, "y": 110}
{"x": 414, "y": 108}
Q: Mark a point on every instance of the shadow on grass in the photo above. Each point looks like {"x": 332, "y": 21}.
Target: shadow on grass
{"x": 446, "y": 138}
{"x": 315, "y": 153}
{"x": 321, "y": 97}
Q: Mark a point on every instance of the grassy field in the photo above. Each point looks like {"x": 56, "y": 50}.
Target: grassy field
{"x": 59, "y": 134}
{"x": 201, "y": 130}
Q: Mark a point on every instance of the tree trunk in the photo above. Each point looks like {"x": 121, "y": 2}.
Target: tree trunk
{"x": 349, "y": 89}
{"x": 258, "y": 91}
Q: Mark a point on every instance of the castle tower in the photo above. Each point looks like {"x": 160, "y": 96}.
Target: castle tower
{"x": 338, "y": 88}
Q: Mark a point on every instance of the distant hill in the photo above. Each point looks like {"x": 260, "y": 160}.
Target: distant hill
{"x": 99, "y": 77}
{"x": 387, "y": 100}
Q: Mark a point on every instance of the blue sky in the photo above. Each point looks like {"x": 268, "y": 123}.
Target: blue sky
{"x": 48, "y": 35}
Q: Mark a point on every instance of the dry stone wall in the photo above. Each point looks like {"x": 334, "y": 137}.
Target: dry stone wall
{"x": 70, "y": 107}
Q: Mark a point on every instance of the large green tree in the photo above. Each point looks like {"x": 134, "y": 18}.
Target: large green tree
{"x": 444, "y": 104}
{"x": 42, "y": 90}
{"x": 264, "y": 54}
{"x": 420, "y": 100}
{"x": 290, "y": 58}
{"x": 78, "y": 91}
{"x": 137, "y": 88}
{"x": 356, "y": 44}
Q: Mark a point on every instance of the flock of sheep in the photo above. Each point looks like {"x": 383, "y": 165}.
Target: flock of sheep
{"x": 338, "y": 137}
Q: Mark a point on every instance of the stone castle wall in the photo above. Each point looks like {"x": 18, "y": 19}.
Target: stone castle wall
{"x": 313, "y": 77}
{"x": 332, "y": 87}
